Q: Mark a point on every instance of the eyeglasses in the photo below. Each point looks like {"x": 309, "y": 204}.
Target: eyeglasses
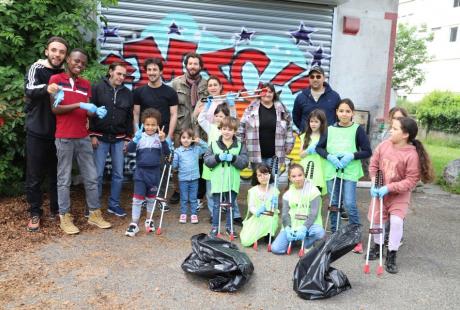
{"x": 318, "y": 77}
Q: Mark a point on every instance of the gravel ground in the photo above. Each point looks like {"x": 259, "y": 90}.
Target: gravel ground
{"x": 102, "y": 269}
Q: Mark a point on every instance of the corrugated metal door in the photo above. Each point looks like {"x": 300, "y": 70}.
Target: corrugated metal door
{"x": 242, "y": 42}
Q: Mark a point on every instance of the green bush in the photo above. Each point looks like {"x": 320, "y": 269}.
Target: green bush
{"x": 440, "y": 110}
{"x": 410, "y": 106}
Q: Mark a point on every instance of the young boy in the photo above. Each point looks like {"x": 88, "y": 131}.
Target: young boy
{"x": 150, "y": 147}
{"x": 226, "y": 158}
{"x": 72, "y": 140}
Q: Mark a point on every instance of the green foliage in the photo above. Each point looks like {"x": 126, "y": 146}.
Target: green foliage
{"x": 440, "y": 110}
{"x": 440, "y": 156}
{"x": 410, "y": 52}
{"x": 95, "y": 71}
{"x": 25, "y": 26}
{"x": 411, "y": 107}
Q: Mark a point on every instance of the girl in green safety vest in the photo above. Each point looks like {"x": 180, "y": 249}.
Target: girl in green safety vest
{"x": 301, "y": 212}
{"x": 315, "y": 127}
{"x": 260, "y": 198}
{"x": 344, "y": 146}
{"x": 226, "y": 158}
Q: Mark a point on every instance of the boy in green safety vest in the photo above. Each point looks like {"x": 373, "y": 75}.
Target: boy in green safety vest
{"x": 345, "y": 144}
{"x": 226, "y": 158}
{"x": 301, "y": 213}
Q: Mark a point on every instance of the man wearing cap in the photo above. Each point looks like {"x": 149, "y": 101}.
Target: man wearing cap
{"x": 318, "y": 96}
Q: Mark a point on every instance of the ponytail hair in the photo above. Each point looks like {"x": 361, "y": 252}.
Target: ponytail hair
{"x": 409, "y": 126}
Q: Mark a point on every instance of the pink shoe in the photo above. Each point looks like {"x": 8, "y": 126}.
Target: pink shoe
{"x": 358, "y": 248}
{"x": 183, "y": 218}
{"x": 194, "y": 219}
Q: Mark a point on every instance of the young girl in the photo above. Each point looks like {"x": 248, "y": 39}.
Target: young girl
{"x": 186, "y": 160}
{"x": 302, "y": 198}
{"x": 315, "y": 127}
{"x": 226, "y": 157}
{"x": 403, "y": 161}
{"x": 394, "y": 113}
{"x": 150, "y": 147}
{"x": 344, "y": 146}
{"x": 260, "y": 199}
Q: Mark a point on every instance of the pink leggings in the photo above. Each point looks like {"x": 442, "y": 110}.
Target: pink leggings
{"x": 396, "y": 233}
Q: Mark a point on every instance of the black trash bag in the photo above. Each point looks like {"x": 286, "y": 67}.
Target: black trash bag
{"x": 314, "y": 278}
{"x": 221, "y": 261}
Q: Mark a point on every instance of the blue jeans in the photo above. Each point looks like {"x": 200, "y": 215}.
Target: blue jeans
{"x": 210, "y": 199}
{"x": 216, "y": 203}
{"x": 188, "y": 192}
{"x": 118, "y": 161}
{"x": 348, "y": 201}
{"x": 281, "y": 242}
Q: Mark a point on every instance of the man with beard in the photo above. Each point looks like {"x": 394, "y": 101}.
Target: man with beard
{"x": 190, "y": 88}
{"x": 40, "y": 126}
{"x": 159, "y": 96}
{"x": 112, "y": 133}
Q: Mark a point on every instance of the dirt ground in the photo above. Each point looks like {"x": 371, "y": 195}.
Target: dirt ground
{"x": 103, "y": 269}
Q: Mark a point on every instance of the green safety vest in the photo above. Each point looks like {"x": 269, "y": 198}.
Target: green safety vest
{"x": 318, "y": 161}
{"x": 342, "y": 140}
{"x": 213, "y": 136}
{"x": 299, "y": 204}
{"x": 222, "y": 174}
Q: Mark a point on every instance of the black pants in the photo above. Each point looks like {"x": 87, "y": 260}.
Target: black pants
{"x": 201, "y": 181}
{"x": 41, "y": 162}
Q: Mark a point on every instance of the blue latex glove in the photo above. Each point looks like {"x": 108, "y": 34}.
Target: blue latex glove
{"x": 312, "y": 148}
{"x": 275, "y": 202}
{"x": 334, "y": 161}
{"x": 301, "y": 233}
{"x": 88, "y": 107}
{"x": 58, "y": 97}
{"x": 223, "y": 157}
{"x": 260, "y": 211}
{"x": 101, "y": 112}
{"x": 231, "y": 97}
{"x": 374, "y": 192}
{"x": 169, "y": 142}
{"x": 138, "y": 134}
{"x": 290, "y": 235}
{"x": 383, "y": 191}
{"x": 229, "y": 157}
{"x": 208, "y": 103}
{"x": 346, "y": 159}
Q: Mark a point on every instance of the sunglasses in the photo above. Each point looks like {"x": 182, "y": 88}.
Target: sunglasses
{"x": 318, "y": 76}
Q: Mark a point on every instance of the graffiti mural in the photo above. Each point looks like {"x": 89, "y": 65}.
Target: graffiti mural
{"x": 242, "y": 60}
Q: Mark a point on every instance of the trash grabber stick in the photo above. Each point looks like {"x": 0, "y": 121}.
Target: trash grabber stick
{"x": 221, "y": 199}
{"x": 366, "y": 265}
{"x": 380, "y": 268}
{"x": 275, "y": 166}
{"x": 330, "y": 199}
{"x": 162, "y": 201}
{"x": 309, "y": 174}
{"x": 340, "y": 204}
{"x": 158, "y": 193}
{"x": 232, "y": 237}
{"x": 254, "y": 246}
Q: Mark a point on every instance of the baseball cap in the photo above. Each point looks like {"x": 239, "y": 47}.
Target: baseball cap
{"x": 316, "y": 69}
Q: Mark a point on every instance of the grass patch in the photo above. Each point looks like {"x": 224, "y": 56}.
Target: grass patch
{"x": 441, "y": 156}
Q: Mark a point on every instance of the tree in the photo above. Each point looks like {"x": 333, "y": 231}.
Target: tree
{"x": 25, "y": 27}
{"x": 410, "y": 53}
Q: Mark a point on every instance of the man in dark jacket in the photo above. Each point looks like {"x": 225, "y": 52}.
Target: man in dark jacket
{"x": 112, "y": 133}
{"x": 318, "y": 96}
{"x": 40, "y": 127}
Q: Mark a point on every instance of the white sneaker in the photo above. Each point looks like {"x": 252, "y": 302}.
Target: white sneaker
{"x": 132, "y": 230}
{"x": 149, "y": 225}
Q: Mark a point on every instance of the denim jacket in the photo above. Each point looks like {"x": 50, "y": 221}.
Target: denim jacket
{"x": 186, "y": 160}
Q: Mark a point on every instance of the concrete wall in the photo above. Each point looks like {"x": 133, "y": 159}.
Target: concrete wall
{"x": 359, "y": 66}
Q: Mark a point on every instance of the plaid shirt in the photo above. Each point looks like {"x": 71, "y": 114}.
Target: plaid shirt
{"x": 248, "y": 132}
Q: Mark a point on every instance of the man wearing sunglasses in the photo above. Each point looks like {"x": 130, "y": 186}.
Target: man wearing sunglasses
{"x": 319, "y": 95}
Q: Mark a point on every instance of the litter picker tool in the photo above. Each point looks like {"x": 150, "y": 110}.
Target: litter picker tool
{"x": 310, "y": 171}
{"x": 240, "y": 95}
{"x": 275, "y": 169}
{"x": 375, "y": 231}
{"x": 337, "y": 208}
{"x": 222, "y": 203}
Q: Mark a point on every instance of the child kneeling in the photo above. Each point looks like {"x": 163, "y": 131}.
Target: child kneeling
{"x": 303, "y": 199}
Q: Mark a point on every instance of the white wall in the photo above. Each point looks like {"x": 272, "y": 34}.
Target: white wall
{"x": 359, "y": 63}
{"x": 439, "y": 16}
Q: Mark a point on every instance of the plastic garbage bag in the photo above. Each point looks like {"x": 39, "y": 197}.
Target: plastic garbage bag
{"x": 227, "y": 268}
{"x": 314, "y": 278}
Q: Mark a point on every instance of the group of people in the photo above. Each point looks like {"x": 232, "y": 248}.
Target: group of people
{"x": 193, "y": 125}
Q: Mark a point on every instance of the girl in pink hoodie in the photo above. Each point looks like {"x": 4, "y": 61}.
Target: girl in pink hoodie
{"x": 403, "y": 161}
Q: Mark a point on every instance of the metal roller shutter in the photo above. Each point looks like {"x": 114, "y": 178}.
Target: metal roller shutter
{"x": 242, "y": 42}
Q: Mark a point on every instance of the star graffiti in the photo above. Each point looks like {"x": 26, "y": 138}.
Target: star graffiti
{"x": 245, "y": 35}
{"x": 318, "y": 56}
{"x": 302, "y": 34}
{"x": 108, "y": 32}
{"x": 174, "y": 29}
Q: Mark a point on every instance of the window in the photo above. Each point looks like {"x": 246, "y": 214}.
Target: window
{"x": 453, "y": 34}
{"x": 456, "y": 3}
